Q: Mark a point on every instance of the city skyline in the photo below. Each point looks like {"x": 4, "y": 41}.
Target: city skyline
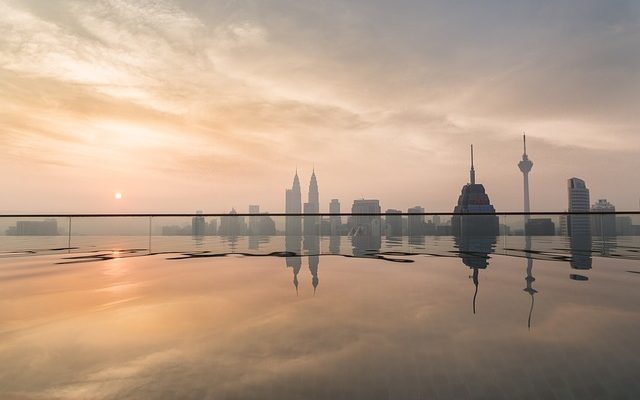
{"x": 180, "y": 104}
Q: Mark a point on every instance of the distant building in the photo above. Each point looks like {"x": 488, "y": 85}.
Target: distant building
{"x": 416, "y": 223}
{"x": 564, "y": 225}
{"x": 505, "y": 230}
{"x": 624, "y": 226}
{"x": 175, "y": 230}
{"x": 265, "y": 226}
{"x": 212, "y": 227}
{"x": 311, "y": 224}
{"x": 253, "y": 220}
{"x": 293, "y": 205}
{"x": 366, "y": 224}
{"x": 539, "y": 227}
{"x": 436, "y": 220}
{"x": 578, "y": 226}
{"x": 473, "y": 199}
{"x": 443, "y": 230}
{"x": 578, "y": 201}
{"x": 232, "y": 225}
{"x": 393, "y": 222}
{"x": 198, "y": 225}
{"x": 604, "y": 224}
{"x": 335, "y": 220}
{"x": 365, "y": 229}
{"x": 48, "y": 227}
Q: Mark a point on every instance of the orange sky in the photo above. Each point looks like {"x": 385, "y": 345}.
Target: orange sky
{"x": 185, "y": 105}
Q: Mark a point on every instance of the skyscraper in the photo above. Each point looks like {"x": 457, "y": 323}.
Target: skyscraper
{"x": 314, "y": 195}
{"x": 603, "y": 224}
{"x": 198, "y": 224}
{"x": 293, "y": 205}
{"x": 335, "y": 220}
{"x": 253, "y": 220}
{"x": 579, "y": 226}
{"x": 415, "y": 223}
{"x": 366, "y": 229}
{"x": 393, "y": 223}
{"x": 232, "y": 224}
{"x": 474, "y": 200}
{"x": 525, "y": 166}
{"x": 312, "y": 206}
{"x": 578, "y": 201}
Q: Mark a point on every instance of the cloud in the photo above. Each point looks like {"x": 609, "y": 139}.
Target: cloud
{"x": 182, "y": 87}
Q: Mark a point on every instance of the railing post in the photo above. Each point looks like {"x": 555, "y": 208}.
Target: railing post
{"x": 505, "y": 232}
{"x": 150, "y": 218}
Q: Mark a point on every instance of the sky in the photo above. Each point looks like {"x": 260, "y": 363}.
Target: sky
{"x": 183, "y": 104}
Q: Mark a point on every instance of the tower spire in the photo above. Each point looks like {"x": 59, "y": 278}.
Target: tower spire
{"x": 525, "y": 166}
{"x": 472, "y": 173}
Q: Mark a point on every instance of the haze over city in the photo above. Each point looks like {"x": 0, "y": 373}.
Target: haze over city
{"x": 184, "y": 105}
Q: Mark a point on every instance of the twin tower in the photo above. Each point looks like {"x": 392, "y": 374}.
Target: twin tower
{"x": 293, "y": 205}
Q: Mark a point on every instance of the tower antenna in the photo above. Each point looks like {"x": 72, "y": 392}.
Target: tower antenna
{"x": 472, "y": 173}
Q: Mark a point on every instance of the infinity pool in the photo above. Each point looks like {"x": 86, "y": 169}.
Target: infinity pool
{"x": 125, "y": 324}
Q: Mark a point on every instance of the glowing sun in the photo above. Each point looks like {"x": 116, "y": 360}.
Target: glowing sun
{"x": 118, "y": 196}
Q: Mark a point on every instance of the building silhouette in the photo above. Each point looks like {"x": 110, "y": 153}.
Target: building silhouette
{"x": 603, "y": 225}
{"x": 474, "y": 200}
{"x": 293, "y": 205}
{"x": 474, "y": 251}
{"x": 436, "y": 221}
{"x": 312, "y": 206}
{"x": 335, "y": 227}
{"x": 365, "y": 230}
{"x": 393, "y": 223}
{"x": 198, "y": 225}
{"x": 232, "y": 224}
{"x": 335, "y": 221}
{"x": 539, "y": 227}
{"x": 415, "y": 223}
{"x": 48, "y": 227}
{"x": 253, "y": 220}
{"x": 578, "y": 226}
{"x": 578, "y": 201}
{"x": 525, "y": 166}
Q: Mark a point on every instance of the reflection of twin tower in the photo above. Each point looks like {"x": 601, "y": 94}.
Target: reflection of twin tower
{"x": 295, "y": 226}
{"x": 293, "y": 205}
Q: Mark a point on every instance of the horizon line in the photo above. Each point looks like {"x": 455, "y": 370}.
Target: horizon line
{"x": 327, "y": 214}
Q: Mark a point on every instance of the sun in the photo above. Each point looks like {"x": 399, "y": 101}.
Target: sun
{"x": 118, "y": 196}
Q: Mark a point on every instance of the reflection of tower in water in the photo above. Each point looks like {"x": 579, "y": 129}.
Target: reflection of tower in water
{"x": 294, "y": 260}
{"x": 474, "y": 251}
{"x": 529, "y": 279}
{"x": 314, "y": 261}
{"x": 312, "y": 244}
{"x": 475, "y": 235}
{"x": 293, "y": 246}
